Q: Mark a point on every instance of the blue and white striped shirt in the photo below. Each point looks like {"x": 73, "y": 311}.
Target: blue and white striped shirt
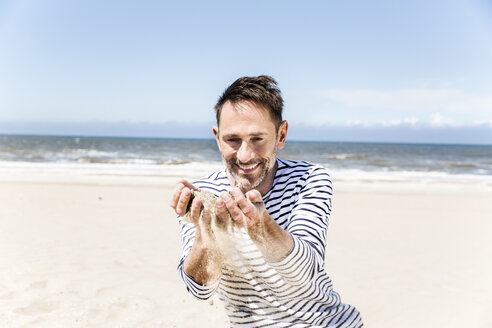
{"x": 296, "y": 291}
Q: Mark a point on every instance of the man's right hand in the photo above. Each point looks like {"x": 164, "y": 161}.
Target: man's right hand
{"x": 205, "y": 260}
{"x": 181, "y": 198}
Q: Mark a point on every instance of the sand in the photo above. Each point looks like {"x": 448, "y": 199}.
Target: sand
{"x": 103, "y": 253}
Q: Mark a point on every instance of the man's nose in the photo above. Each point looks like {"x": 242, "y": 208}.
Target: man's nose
{"x": 244, "y": 153}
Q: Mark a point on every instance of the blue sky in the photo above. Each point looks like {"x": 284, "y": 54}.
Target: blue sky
{"x": 416, "y": 71}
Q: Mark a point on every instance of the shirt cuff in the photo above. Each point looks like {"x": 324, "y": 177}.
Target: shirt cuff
{"x": 200, "y": 291}
{"x": 294, "y": 264}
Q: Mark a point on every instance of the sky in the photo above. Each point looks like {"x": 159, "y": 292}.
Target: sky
{"x": 385, "y": 71}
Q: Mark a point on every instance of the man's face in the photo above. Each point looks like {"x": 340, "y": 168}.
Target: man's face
{"x": 248, "y": 141}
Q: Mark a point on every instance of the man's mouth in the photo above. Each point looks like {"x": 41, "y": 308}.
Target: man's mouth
{"x": 247, "y": 169}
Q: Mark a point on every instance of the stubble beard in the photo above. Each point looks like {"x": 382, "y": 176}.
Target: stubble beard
{"x": 265, "y": 165}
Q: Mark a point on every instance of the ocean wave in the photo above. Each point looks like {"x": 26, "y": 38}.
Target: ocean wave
{"x": 461, "y": 165}
{"x": 139, "y": 168}
{"x": 198, "y": 169}
{"x": 344, "y": 157}
{"x": 421, "y": 180}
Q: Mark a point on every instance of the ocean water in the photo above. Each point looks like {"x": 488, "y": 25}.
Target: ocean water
{"x": 142, "y": 156}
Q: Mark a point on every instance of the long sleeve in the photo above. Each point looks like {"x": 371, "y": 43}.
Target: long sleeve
{"x": 199, "y": 291}
{"x": 307, "y": 224}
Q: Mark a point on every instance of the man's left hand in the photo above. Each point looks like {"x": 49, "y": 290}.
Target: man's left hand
{"x": 247, "y": 210}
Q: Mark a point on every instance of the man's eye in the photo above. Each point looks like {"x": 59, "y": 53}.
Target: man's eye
{"x": 257, "y": 139}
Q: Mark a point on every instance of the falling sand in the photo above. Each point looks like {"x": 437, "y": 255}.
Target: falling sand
{"x": 229, "y": 238}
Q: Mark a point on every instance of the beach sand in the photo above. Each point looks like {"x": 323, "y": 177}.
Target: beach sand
{"x": 104, "y": 254}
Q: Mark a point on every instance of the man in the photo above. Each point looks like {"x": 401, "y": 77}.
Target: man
{"x": 262, "y": 246}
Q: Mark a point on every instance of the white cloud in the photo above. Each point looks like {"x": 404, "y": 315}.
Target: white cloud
{"x": 483, "y": 123}
{"x": 409, "y": 121}
{"x": 436, "y": 120}
{"x": 413, "y": 100}
{"x": 412, "y": 121}
{"x": 357, "y": 123}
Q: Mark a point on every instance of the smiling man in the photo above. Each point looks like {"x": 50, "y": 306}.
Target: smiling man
{"x": 262, "y": 246}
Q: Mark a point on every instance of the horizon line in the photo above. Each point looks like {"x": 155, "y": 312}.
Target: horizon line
{"x": 212, "y": 139}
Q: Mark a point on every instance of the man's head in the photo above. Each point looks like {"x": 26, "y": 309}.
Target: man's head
{"x": 250, "y": 130}
{"x": 261, "y": 90}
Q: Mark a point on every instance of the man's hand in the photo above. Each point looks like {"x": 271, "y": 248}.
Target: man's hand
{"x": 245, "y": 209}
{"x": 249, "y": 211}
{"x": 204, "y": 262}
{"x": 181, "y": 198}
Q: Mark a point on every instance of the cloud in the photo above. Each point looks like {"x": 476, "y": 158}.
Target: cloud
{"x": 435, "y": 121}
{"x": 482, "y": 123}
{"x": 412, "y": 100}
{"x": 106, "y": 128}
{"x": 409, "y": 121}
{"x": 440, "y": 131}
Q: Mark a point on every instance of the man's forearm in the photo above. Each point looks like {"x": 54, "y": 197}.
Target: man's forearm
{"x": 204, "y": 262}
{"x": 274, "y": 242}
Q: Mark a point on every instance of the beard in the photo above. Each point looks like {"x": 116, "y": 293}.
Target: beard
{"x": 253, "y": 180}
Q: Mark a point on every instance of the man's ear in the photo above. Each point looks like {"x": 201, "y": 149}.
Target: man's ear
{"x": 215, "y": 130}
{"x": 282, "y": 134}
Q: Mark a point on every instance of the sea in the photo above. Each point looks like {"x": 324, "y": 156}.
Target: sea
{"x": 154, "y": 157}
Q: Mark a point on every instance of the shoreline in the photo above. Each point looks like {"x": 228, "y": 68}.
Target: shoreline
{"x": 343, "y": 181}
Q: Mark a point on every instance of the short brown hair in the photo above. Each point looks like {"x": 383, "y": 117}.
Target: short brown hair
{"x": 260, "y": 90}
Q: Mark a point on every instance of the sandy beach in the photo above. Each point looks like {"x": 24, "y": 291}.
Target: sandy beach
{"x": 103, "y": 253}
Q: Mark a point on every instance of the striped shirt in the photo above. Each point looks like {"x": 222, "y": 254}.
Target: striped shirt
{"x": 296, "y": 291}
